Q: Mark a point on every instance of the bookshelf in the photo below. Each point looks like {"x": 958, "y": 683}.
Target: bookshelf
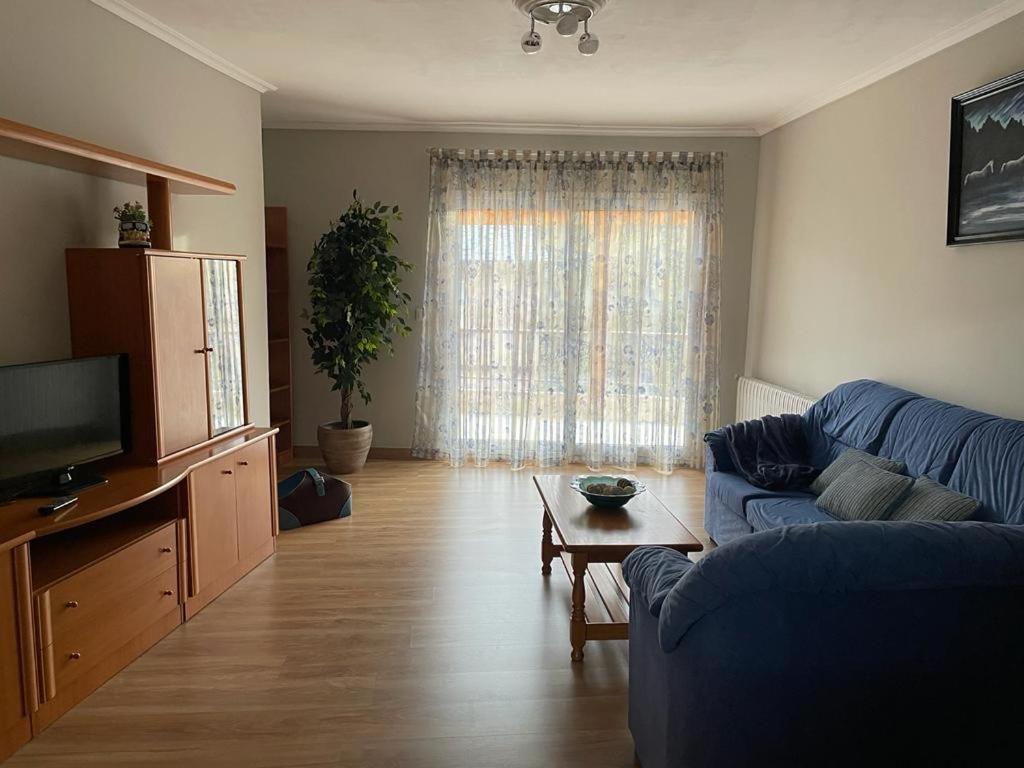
{"x": 279, "y": 345}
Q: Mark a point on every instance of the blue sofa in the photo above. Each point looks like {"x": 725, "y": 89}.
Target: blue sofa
{"x": 802, "y": 640}
{"x": 969, "y": 451}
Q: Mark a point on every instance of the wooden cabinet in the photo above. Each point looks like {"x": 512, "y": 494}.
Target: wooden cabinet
{"x": 15, "y": 727}
{"x": 231, "y": 520}
{"x": 213, "y": 523}
{"x": 253, "y": 491}
{"x": 179, "y": 353}
{"x": 104, "y": 592}
{"x": 178, "y": 316}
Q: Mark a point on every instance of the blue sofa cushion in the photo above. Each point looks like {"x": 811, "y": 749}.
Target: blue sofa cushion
{"x": 853, "y": 415}
{"x": 991, "y": 470}
{"x": 765, "y": 514}
{"x": 841, "y": 558}
{"x": 652, "y": 572}
{"x": 929, "y": 435}
{"x": 733, "y": 491}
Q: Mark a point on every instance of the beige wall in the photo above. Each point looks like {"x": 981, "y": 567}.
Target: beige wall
{"x": 313, "y": 173}
{"x": 71, "y": 67}
{"x": 851, "y": 275}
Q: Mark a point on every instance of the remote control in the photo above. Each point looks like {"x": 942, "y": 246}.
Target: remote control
{"x": 64, "y": 502}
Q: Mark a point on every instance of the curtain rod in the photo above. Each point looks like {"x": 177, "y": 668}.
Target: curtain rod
{"x": 561, "y": 154}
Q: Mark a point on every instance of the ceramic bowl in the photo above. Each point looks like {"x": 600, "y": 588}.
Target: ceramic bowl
{"x": 582, "y": 483}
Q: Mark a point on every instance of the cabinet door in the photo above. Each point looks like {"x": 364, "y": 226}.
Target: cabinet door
{"x": 253, "y": 497}
{"x": 224, "y": 341}
{"x": 14, "y": 728}
{"x": 180, "y": 352}
{"x": 213, "y": 522}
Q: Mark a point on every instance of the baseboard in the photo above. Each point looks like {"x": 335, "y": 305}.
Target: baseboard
{"x": 312, "y": 452}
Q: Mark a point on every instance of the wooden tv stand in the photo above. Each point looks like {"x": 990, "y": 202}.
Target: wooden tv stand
{"x": 195, "y": 509}
{"x": 84, "y": 594}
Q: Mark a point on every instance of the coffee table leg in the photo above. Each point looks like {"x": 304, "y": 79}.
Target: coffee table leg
{"x": 547, "y": 549}
{"x": 578, "y": 622}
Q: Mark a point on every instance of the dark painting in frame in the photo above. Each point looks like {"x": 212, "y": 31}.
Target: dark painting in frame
{"x": 986, "y": 164}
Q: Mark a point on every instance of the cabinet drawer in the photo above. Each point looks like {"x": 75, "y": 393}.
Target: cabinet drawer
{"x": 78, "y": 597}
{"x": 77, "y": 648}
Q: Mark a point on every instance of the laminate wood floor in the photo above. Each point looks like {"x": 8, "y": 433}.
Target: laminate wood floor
{"x": 418, "y": 632}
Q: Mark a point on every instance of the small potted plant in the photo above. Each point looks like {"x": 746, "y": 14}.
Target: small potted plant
{"x": 134, "y": 227}
{"x": 355, "y": 310}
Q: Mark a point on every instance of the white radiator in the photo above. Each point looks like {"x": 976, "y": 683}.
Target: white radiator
{"x": 756, "y": 398}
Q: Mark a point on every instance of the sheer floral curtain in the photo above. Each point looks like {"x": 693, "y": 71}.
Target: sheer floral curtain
{"x": 571, "y": 308}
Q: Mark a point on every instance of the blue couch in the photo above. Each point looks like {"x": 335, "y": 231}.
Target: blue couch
{"x": 969, "y": 451}
{"x": 802, "y": 640}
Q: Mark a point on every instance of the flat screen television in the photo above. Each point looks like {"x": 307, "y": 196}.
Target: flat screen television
{"x": 57, "y": 416}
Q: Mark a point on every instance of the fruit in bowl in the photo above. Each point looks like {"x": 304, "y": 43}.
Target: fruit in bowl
{"x": 607, "y": 491}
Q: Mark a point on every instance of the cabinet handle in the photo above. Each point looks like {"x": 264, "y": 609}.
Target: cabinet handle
{"x": 166, "y": 549}
{"x": 243, "y": 463}
{"x": 74, "y": 655}
{"x": 168, "y": 593}
{"x": 71, "y": 604}
{"x": 199, "y": 351}
{"x": 226, "y": 472}
{"x": 207, "y": 349}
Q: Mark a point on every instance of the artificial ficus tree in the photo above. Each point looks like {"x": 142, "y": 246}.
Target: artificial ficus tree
{"x": 356, "y": 301}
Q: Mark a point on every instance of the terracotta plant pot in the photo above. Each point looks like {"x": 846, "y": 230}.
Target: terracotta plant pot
{"x": 344, "y": 450}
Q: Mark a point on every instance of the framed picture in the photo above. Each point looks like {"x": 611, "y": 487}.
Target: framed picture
{"x": 986, "y": 164}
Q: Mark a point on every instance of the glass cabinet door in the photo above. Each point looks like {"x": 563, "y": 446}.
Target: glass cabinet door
{"x": 224, "y": 345}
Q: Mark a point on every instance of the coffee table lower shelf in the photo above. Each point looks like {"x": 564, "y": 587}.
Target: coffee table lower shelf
{"x": 605, "y": 582}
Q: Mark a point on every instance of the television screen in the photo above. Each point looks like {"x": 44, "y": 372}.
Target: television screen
{"x": 60, "y": 414}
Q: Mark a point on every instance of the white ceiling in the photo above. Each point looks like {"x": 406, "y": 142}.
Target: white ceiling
{"x": 665, "y": 66}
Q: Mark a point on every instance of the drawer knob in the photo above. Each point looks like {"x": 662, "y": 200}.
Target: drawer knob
{"x": 166, "y": 549}
{"x": 226, "y": 472}
{"x": 74, "y": 655}
{"x": 168, "y": 593}
{"x": 71, "y": 604}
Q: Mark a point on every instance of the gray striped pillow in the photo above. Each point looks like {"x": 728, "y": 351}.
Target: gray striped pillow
{"x": 929, "y": 500}
{"x": 848, "y": 457}
{"x": 864, "y": 492}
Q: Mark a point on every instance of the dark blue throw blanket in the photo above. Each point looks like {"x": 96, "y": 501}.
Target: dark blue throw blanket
{"x": 771, "y": 452}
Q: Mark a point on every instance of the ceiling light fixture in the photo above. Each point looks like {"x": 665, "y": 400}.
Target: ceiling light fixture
{"x": 566, "y": 17}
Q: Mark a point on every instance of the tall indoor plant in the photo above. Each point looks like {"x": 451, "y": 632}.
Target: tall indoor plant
{"x": 356, "y": 307}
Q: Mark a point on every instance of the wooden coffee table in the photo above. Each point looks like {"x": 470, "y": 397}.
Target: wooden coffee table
{"x": 592, "y": 542}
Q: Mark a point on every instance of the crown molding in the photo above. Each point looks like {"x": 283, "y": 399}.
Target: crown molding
{"x": 550, "y": 129}
{"x": 976, "y": 24}
{"x": 186, "y": 45}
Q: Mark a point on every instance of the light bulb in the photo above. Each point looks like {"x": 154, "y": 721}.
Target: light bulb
{"x": 568, "y": 24}
{"x": 531, "y": 42}
{"x": 588, "y": 44}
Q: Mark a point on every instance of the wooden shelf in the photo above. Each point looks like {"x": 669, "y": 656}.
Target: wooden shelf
{"x": 124, "y": 252}
{"x": 38, "y": 146}
{"x": 130, "y": 485}
{"x": 57, "y": 557}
